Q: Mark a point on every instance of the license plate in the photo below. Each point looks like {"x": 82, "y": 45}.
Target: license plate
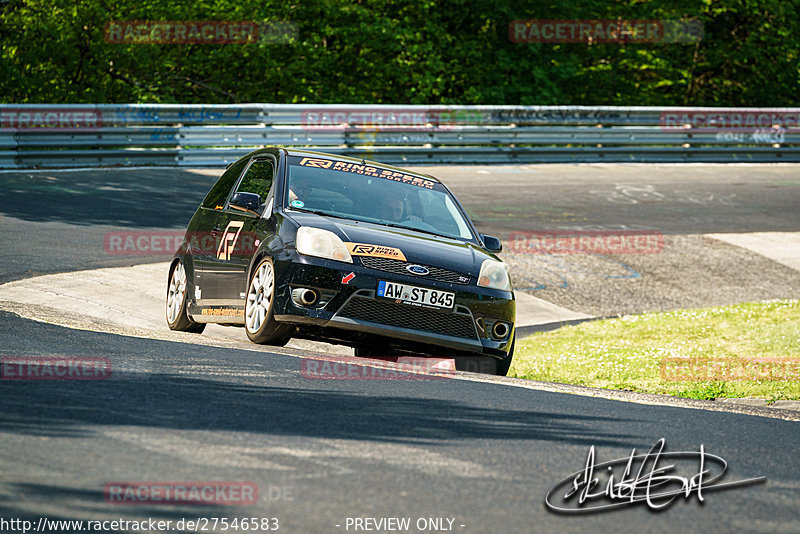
{"x": 419, "y": 296}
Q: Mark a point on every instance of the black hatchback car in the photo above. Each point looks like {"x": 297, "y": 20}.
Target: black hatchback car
{"x": 291, "y": 243}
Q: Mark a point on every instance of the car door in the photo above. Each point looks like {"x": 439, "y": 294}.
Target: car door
{"x": 239, "y": 232}
{"x": 204, "y": 236}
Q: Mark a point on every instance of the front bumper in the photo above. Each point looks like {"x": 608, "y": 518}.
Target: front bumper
{"x": 351, "y": 312}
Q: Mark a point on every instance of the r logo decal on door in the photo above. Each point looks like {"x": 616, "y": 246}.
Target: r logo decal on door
{"x": 229, "y": 240}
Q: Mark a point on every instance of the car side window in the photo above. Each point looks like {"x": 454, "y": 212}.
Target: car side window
{"x": 258, "y": 178}
{"x": 215, "y": 199}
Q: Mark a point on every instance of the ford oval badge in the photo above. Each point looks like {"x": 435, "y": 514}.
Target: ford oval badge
{"x": 417, "y": 269}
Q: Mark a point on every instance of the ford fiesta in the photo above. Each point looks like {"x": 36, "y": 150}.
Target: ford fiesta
{"x": 291, "y": 243}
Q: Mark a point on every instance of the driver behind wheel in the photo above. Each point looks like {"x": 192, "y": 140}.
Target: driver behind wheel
{"x": 393, "y": 209}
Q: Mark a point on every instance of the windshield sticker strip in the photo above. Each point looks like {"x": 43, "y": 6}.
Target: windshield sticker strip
{"x": 376, "y": 251}
{"x": 366, "y": 170}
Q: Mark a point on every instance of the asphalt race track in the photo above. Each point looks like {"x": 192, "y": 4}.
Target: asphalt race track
{"x": 71, "y": 212}
{"x": 482, "y": 453}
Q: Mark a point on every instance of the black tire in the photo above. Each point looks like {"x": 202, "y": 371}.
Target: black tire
{"x": 259, "y": 322}
{"x": 177, "y": 315}
{"x": 505, "y": 364}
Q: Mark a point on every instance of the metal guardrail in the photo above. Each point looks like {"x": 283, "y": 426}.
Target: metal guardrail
{"x": 33, "y": 135}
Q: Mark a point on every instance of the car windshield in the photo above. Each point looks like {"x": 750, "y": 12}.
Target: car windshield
{"x": 373, "y": 194}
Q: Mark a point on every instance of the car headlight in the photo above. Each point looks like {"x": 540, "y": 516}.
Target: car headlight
{"x": 494, "y": 275}
{"x": 321, "y": 243}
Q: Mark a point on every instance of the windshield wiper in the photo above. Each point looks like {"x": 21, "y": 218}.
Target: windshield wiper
{"x": 395, "y": 225}
{"x": 319, "y": 212}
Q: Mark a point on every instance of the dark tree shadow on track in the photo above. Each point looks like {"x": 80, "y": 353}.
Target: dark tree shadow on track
{"x": 167, "y": 394}
{"x": 174, "y": 390}
{"x": 162, "y": 198}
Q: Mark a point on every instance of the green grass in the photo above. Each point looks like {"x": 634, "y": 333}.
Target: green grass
{"x": 635, "y": 352}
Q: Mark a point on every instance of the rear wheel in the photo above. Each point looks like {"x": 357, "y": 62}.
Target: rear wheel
{"x": 259, "y": 322}
{"x": 177, "y": 316}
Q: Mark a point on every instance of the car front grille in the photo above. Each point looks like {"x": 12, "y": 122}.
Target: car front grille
{"x": 407, "y": 316}
{"x": 399, "y": 267}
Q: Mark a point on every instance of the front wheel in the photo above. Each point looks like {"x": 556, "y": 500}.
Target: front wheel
{"x": 177, "y": 316}
{"x": 505, "y": 364}
{"x": 259, "y": 322}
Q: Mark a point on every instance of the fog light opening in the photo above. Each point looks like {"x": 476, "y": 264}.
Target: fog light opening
{"x": 303, "y": 296}
{"x": 500, "y": 330}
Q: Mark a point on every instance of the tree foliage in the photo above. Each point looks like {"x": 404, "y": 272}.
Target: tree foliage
{"x": 394, "y": 51}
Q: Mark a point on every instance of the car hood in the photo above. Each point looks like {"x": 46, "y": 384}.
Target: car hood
{"x": 417, "y": 247}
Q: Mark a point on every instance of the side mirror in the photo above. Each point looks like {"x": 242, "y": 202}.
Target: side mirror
{"x": 246, "y": 201}
{"x": 492, "y": 243}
